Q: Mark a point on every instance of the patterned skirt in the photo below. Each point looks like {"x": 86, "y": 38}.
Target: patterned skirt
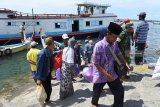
{"x": 66, "y": 85}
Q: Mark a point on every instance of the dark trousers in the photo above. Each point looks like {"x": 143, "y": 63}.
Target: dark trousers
{"x": 140, "y": 47}
{"x": 116, "y": 89}
{"x": 47, "y": 86}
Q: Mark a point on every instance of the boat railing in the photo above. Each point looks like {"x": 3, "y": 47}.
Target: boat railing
{"x": 46, "y": 16}
{"x": 4, "y": 10}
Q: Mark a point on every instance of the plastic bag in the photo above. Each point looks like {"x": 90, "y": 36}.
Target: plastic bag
{"x": 76, "y": 69}
{"x": 156, "y": 72}
{"x": 58, "y": 71}
{"x": 88, "y": 73}
{"x": 41, "y": 94}
{"x": 57, "y": 61}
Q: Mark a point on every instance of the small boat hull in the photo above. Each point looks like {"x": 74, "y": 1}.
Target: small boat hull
{"x": 20, "y": 48}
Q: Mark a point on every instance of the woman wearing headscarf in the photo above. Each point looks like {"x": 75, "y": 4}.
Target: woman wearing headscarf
{"x": 67, "y": 69}
{"x": 102, "y": 33}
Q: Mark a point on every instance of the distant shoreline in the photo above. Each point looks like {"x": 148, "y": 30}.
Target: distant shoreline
{"x": 138, "y": 20}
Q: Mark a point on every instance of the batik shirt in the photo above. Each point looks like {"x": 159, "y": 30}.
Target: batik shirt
{"x": 103, "y": 57}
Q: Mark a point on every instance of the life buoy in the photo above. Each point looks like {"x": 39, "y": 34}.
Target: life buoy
{"x": 8, "y": 52}
{"x": 1, "y": 53}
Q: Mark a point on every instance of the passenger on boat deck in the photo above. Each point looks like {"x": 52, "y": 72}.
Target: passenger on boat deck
{"x": 44, "y": 67}
{"x": 65, "y": 39}
{"x": 32, "y": 58}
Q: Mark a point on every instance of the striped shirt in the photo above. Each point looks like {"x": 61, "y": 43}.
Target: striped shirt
{"x": 142, "y": 32}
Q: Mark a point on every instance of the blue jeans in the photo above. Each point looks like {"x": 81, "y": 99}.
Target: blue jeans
{"x": 89, "y": 55}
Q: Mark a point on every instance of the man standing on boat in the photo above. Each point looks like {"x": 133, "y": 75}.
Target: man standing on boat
{"x": 44, "y": 67}
{"x": 32, "y": 57}
{"x": 103, "y": 69}
{"x": 22, "y": 29}
{"x": 141, "y": 38}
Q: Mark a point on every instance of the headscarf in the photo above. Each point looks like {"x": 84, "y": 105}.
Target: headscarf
{"x": 71, "y": 43}
{"x": 68, "y": 52}
{"x": 102, "y": 33}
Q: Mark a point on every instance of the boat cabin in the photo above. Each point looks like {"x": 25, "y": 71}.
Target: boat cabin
{"x": 91, "y": 9}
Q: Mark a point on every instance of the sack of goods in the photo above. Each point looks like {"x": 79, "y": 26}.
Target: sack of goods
{"x": 88, "y": 73}
{"x": 58, "y": 73}
{"x": 156, "y": 72}
{"x": 57, "y": 61}
{"x": 40, "y": 93}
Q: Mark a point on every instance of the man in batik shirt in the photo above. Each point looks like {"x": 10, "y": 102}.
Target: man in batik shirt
{"x": 103, "y": 69}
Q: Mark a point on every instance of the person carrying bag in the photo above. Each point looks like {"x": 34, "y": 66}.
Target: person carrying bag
{"x": 119, "y": 68}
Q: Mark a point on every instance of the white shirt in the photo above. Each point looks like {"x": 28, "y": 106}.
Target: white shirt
{"x": 68, "y": 55}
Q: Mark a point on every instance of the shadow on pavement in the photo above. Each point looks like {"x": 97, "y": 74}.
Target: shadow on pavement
{"x": 136, "y": 77}
{"x": 127, "y": 88}
{"x": 157, "y": 85}
{"x": 78, "y": 97}
{"x": 134, "y": 103}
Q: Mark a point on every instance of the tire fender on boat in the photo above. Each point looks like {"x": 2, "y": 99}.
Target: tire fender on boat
{"x": 8, "y": 52}
{"x": 1, "y": 53}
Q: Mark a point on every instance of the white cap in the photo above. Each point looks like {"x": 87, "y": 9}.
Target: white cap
{"x": 65, "y": 36}
{"x": 86, "y": 41}
{"x": 33, "y": 43}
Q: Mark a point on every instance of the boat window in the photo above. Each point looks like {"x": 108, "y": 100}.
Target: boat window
{"x": 57, "y": 25}
{"x": 38, "y": 23}
{"x": 103, "y": 11}
{"x": 60, "y": 25}
{"x": 9, "y": 23}
{"x": 100, "y": 23}
{"x": 87, "y": 23}
{"x": 95, "y": 23}
{"x": 23, "y": 23}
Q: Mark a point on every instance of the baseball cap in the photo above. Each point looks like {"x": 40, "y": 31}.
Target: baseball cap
{"x": 126, "y": 20}
{"x": 142, "y": 14}
{"x": 65, "y": 36}
{"x": 33, "y": 43}
{"x": 86, "y": 41}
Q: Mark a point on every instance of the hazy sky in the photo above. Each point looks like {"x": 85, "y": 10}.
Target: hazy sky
{"x": 122, "y": 8}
